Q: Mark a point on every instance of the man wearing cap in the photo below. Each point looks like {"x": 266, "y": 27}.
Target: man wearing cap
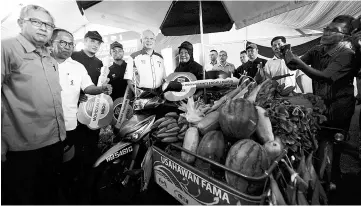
{"x": 117, "y": 70}
{"x": 250, "y": 68}
{"x": 187, "y": 63}
{"x": 145, "y": 68}
{"x": 89, "y": 138}
{"x": 73, "y": 78}
{"x": 224, "y": 65}
{"x": 92, "y": 42}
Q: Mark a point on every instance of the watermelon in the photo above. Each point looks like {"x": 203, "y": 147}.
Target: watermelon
{"x": 249, "y": 158}
{"x": 212, "y": 147}
{"x": 238, "y": 119}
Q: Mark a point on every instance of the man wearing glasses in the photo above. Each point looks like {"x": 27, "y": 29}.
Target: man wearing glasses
{"x": 117, "y": 70}
{"x": 224, "y": 65}
{"x": 146, "y": 64}
{"x": 73, "y": 78}
{"x": 332, "y": 72}
{"x": 32, "y": 116}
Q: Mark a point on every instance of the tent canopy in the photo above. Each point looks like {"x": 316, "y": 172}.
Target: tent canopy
{"x": 141, "y": 15}
{"x": 65, "y": 12}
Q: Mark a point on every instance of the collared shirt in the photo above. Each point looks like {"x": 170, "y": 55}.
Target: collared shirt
{"x": 32, "y": 115}
{"x": 210, "y": 66}
{"x": 338, "y": 65}
{"x": 276, "y": 67}
{"x": 227, "y": 67}
{"x": 73, "y": 77}
{"x": 116, "y": 77}
{"x": 149, "y": 69}
{"x": 92, "y": 64}
{"x": 250, "y": 67}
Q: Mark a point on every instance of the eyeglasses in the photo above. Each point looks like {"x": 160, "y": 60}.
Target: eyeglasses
{"x": 64, "y": 43}
{"x": 334, "y": 30}
{"x": 38, "y": 23}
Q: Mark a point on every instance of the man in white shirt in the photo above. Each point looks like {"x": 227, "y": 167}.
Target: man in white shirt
{"x": 213, "y": 57}
{"x": 277, "y": 66}
{"x": 223, "y": 65}
{"x": 145, "y": 68}
{"x": 73, "y": 77}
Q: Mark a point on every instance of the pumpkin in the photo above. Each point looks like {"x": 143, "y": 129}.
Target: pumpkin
{"x": 238, "y": 119}
{"x": 212, "y": 147}
{"x": 249, "y": 158}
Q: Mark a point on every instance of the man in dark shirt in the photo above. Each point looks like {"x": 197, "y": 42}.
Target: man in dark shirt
{"x": 332, "y": 71}
{"x": 92, "y": 64}
{"x": 88, "y": 139}
{"x": 117, "y": 70}
{"x": 251, "y": 67}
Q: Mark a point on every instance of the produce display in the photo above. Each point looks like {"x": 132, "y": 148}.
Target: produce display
{"x": 249, "y": 158}
{"x": 170, "y": 128}
{"x": 246, "y": 130}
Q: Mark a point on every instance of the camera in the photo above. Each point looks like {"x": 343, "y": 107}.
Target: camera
{"x": 285, "y": 48}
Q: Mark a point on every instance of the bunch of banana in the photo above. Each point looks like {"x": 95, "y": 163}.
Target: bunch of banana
{"x": 170, "y": 128}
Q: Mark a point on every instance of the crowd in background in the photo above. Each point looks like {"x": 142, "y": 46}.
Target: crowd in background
{"x": 43, "y": 80}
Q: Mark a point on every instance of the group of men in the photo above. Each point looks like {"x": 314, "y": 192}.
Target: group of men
{"x": 44, "y": 149}
{"x": 252, "y": 64}
{"x": 43, "y": 79}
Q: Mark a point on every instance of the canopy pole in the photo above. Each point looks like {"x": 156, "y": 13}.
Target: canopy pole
{"x": 202, "y": 43}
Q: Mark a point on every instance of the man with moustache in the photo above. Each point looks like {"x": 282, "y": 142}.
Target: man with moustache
{"x": 32, "y": 121}
{"x": 117, "y": 70}
{"x": 277, "y": 66}
{"x": 251, "y": 66}
{"x": 73, "y": 79}
{"x": 332, "y": 71}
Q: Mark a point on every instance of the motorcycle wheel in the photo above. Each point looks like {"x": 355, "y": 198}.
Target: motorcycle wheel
{"x": 108, "y": 184}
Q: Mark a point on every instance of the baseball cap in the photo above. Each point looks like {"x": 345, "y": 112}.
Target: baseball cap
{"x": 94, "y": 35}
{"x": 251, "y": 46}
{"x": 116, "y": 44}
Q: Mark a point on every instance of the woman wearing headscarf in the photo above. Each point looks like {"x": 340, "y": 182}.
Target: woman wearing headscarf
{"x": 187, "y": 63}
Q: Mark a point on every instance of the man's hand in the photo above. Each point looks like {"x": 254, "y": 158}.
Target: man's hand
{"x": 291, "y": 60}
{"x": 83, "y": 97}
{"x": 261, "y": 74}
{"x": 107, "y": 88}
